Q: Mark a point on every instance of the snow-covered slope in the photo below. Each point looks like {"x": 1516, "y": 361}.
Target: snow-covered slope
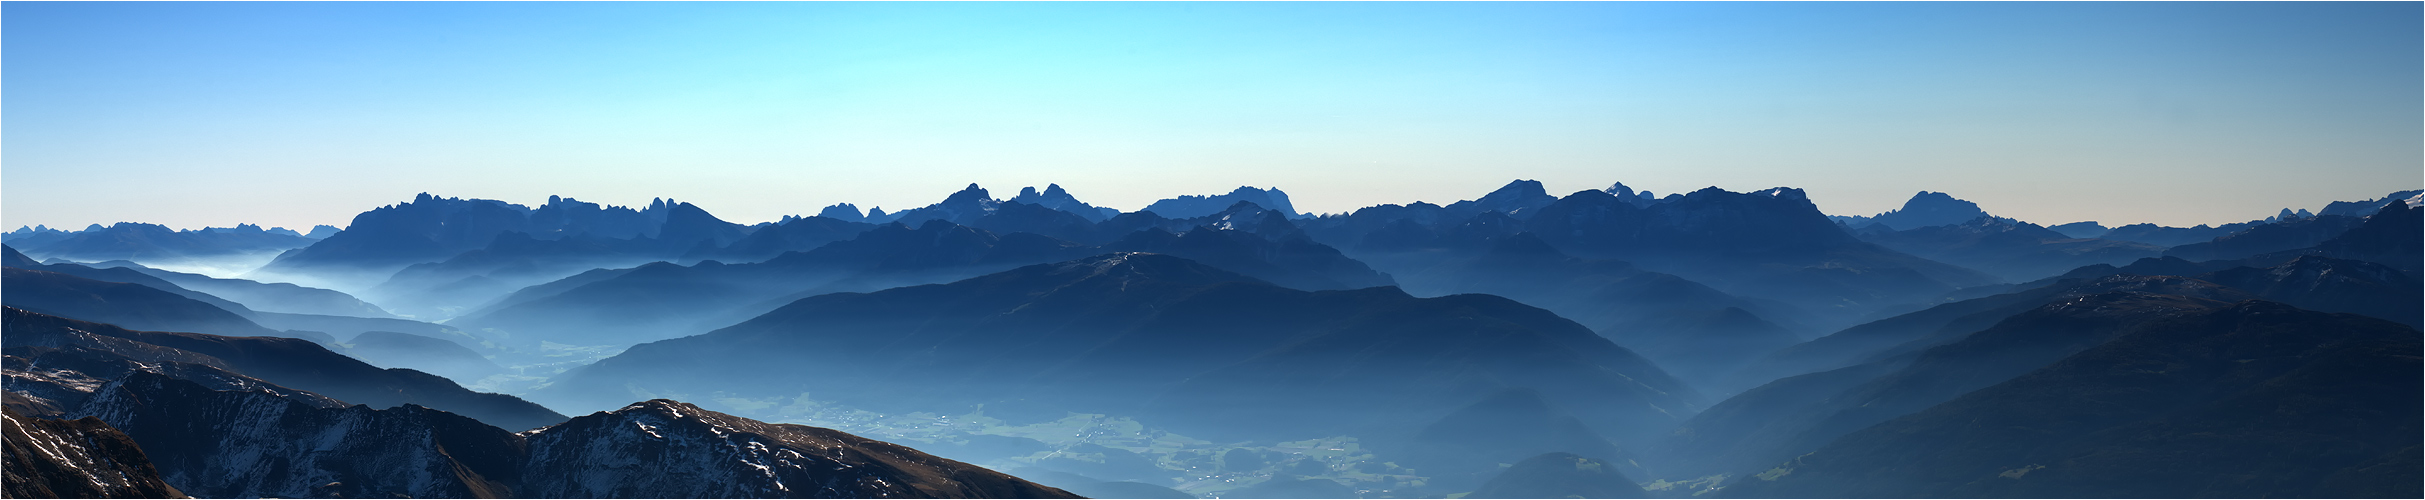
{"x": 83, "y": 458}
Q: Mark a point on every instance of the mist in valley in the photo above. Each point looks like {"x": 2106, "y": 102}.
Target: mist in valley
{"x": 1394, "y": 351}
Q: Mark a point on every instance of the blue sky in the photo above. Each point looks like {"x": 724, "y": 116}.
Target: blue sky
{"x": 292, "y": 114}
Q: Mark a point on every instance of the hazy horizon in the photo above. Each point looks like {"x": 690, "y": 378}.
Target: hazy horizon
{"x": 296, "y": 114}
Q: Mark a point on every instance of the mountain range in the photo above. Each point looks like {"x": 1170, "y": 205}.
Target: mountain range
{"x": 1605, "y": 343}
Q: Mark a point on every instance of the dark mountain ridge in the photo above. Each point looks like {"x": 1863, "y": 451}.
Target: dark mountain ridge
{"x": 287, "y": 362}
{"x": 1926, "y": 209}
{"x": 264, "y": 297}
{"x": 661, "y": 300}
{"x": 432, "y": 229}
{"x": 1782, "y": 419}
{"x": 155, "y": 243}
{"x": 81, "y": 458}
{"x": 2254, "y": 400}
{"x": 1192, "y": 206}
{"x": 2011, "y": 250}
{"x": 254, "y": 444}
{"x": 1203, "y": 351}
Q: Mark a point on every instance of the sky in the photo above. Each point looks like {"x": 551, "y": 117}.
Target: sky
{"x": 295, "y": 114}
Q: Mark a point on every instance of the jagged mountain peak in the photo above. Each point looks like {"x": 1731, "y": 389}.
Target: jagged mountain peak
{"x": 1050, "y": 191}
{"x": 1628, "y": 195}
{"x": 1055, "y": 198}
{"x": 1519, "y": 198}
{"x": 843, "y": 211}
{"x": 1520, "y": 187}
{"x": 1193, "y": 206}
{"x": 1929, "y": 208}
{"x": 970, "y": 193}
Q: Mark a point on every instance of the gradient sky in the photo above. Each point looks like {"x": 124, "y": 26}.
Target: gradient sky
{"x": 293, "y": 114}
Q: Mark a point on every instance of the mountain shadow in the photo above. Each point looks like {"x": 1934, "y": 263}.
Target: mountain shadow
{"x": 81, "y": 458}
{"x": 2254, "y": 400}
{"x": 1945, "y": 323}
{"x": 1794, "y": 415}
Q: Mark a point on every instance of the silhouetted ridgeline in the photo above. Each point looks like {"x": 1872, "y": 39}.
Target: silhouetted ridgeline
{"x": 1606, "y": 343}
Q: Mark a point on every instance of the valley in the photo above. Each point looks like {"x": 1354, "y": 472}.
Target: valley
{"x": 1710, "y": 344}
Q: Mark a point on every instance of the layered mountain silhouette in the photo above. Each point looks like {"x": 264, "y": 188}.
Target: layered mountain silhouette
{"x": 663, "y": 300}
{"x": 2388, "y": 237}
{"x": 286, "y": 362}
{"x": 437, "y": 356}
{"x": 1782, "y": 419}
{"x": 793, "y": 235}
{"x": 1928, "y": 208}
{"x": 1202, "y": 351}
{"x": 1053, "y": 197}
{"x": 2365, "y": 208}
{"x": 433, "y": 229}
{"x": 1944, "y": 323}
{"x": 1693, "y": 331}
{"x": 219, "y": 444}
{"x": 1517, "y": 199}
{"x": 264, "y": 297}
{"x": 963, "y": 207}
{"x": 2333, "y": 285}
{"x": 1469, "y": 446}
{"x": 2256, "y": 399}
{"x": 1771, "y": 244}
{"x": 2011, "y": 250}
{"x": 1540, "y": 346}
{"x": 2269, "y": 238}
{"x": 1191, "y": 206}
{"x": 443, "y": 289}
{"x": 33, "y": 236}
{"x": 122, "y": 303}
{"x": 153, "y": 243}
{"x": 2165, "y": 236}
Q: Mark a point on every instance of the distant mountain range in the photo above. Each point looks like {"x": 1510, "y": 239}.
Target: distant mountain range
{"x": 238, "y": 247}
{"x": 1605, "y": 343}
{"x": 1204, "y": 351}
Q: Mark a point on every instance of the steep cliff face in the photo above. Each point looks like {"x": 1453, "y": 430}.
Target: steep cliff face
{"x": 669, "y": 449}
{"x": 82, "y": 458}
{"x": 258, "y": 444}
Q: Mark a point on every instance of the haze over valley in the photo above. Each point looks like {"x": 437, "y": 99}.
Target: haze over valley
{"x": 1212, "y": 250}
{"x": 1702, "y": 343}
